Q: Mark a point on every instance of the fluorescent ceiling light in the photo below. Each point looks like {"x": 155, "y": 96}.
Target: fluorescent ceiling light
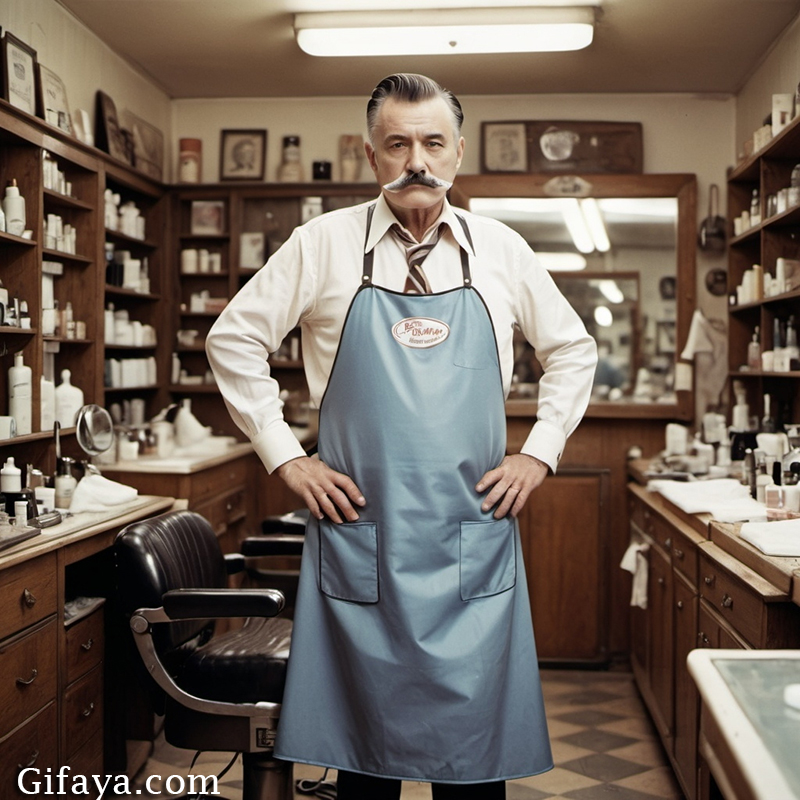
{"x": 603, "y": 316}
{"x": 445, "y": 31}
{"x": 594, "y": 221}
{"x": 576, "y": 225}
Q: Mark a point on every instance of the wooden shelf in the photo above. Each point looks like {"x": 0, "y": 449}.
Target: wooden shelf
{"x": 123, "y": 238}
{"x": 60, "y": 255}
{"x": 54, "y": 198}
{"x": 10, "y": 238}
{"x": 119, "y": 291}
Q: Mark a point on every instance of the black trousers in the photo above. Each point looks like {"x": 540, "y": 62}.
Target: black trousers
{"x": 354, "y": 786}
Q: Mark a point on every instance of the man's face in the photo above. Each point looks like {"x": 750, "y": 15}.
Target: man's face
{"x": 415, "y": 137}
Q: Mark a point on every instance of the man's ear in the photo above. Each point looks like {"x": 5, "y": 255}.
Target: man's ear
{"x": 461, "y": 145}
{"x": 370, "y": 151}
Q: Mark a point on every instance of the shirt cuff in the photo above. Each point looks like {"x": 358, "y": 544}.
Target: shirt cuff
{"x": 276, "y": 445}
{"x": 545, "y": 442}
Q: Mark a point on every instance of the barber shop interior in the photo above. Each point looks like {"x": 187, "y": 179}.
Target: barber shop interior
{"x": 213, "y": 583}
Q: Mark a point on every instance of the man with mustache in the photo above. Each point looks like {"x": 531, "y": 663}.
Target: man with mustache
{"x": 412, "y": 654}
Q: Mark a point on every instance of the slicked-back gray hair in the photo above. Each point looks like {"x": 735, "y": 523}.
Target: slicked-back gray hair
{"x": 410, "y": 88}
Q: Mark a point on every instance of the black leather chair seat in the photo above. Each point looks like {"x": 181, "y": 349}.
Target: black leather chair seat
{"x": 251, "y": 659}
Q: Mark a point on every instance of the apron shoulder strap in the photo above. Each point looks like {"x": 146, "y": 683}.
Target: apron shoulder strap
{"x": 465, "y": 271}
{"x": 369, "y": 257}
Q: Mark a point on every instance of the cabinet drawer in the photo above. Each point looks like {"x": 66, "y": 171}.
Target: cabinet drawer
{"x": 27, "y": 674}
{"x": 27, "y": 594}
{"x": 89, "y": 759}
{"x": 222, "y": 479}
{"x": 662, "y": 532}
{"x": 35, "y": 746}
{"x": 684, "y": 556}
{"x": 638, "y": 513}
{"x": 84, "y": 645}
{"x": 83, "y": 711}
{"x": 732, "y": 599}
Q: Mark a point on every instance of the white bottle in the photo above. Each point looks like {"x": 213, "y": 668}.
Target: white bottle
{"x": 2, "y": 220}
{"x": 65, "y": 482}
{"x": 10, "y": 477}
{"x": 14, "y": 209}
{"x": 48, "y": 409}
{"x": 69, "y": 400}
{"x": 20, "y": 395}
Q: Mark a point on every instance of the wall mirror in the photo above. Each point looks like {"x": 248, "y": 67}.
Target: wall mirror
{"x": 622, "y": 250}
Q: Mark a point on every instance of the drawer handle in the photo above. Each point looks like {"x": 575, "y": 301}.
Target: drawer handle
{"x": 32, "y": 761}
{"x": 87, "y": 712}
{"x": 668, "y": 542}
{"x": 87, "y": 645}
{"x": 727, "y": 601}
{"x": 709, "y": 580}
{"x": 702, "y": 639}
{"x": 678, "y": 553}
{"x": 661, "y": 582}
{"x": 680, "y": 605}
{"x": 34, "y": 675}
{"x": 28, "y": 598}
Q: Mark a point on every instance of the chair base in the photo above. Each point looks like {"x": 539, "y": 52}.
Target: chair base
{"x": 266, "y": 778}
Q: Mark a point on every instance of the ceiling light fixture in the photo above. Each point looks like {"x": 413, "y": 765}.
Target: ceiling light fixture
{"x": 444, "y": 31}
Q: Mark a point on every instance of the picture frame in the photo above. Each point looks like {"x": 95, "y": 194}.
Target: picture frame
{"x": 242, "y": 155}
{"x": 51, "y": 100}
{"x": 148, "y": 145}
{"x": 665, "y": 338}
{"x": 252, "y": 250}
{"x": 208, "y": 218}
{"x": 19, "y": 73}
{"x": 562, "y": 147}
{"x": 504, "y": 147}
{"x": 108, "y": 133}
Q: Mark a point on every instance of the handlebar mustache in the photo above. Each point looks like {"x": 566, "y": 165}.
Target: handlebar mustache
{"x": 417, "y": 179}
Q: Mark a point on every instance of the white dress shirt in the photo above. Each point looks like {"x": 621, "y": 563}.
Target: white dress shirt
{"x": 311, "y": 280}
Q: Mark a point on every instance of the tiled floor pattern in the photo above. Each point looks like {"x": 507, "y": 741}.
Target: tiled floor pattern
{"x": 604, "y": 748}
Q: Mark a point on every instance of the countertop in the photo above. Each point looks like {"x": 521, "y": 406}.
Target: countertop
{"x": 179, "y": 465}
{"x": 750, "y": 736}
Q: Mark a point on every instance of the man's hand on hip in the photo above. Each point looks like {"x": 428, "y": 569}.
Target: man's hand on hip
{"x": 325, "y": 491}
{"x": 512, "y": 482}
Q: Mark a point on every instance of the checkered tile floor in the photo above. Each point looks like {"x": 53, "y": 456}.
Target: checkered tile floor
{"x": 604, "y": 747}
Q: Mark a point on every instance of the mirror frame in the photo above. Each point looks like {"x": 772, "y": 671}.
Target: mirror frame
{"x": 682, "y": 186}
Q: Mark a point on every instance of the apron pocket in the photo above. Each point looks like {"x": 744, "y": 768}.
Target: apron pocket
{"x": 348, "y": 568}
{"x": 488, "y": 558}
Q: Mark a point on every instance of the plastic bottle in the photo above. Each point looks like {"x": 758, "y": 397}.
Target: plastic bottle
{"x": 794, "y": 187}
{"x": 2, "y": 220}
{"x": 10, "y": 477}
{"x": 754, "y": 352}
{"x": 69, "y": 400}
{"x": 20, "y": 394}
{"x": 755, "y": 208}
{"x": 48, "y": 403}
{"x": 14, "y": 209}
{"x": 791, "y": 352}
{"x": 65, "y": 482}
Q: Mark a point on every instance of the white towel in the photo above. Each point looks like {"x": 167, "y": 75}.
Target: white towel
{"x": 635, "y": 562}
{"x": 96, "y": 493}
{"x": 725, "y": 499}
{"x": 780, "y": 538}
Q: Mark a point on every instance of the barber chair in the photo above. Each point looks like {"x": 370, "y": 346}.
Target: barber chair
{"x": 216, "y": 693}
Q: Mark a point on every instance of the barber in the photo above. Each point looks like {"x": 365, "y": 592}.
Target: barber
{"x": 412, "y": 655}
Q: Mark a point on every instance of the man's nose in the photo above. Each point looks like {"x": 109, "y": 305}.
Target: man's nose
{"x": 416, "y": 159}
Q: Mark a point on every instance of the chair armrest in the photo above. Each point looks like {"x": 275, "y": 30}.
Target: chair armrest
{"x": 294, "y": 522}
{"x": 221, "y": 603}
{"x": 277, "y": 544}
{"x": 234, "y": 563}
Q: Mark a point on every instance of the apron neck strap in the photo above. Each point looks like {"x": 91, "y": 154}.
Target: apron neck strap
{"x": 369, "y": 256}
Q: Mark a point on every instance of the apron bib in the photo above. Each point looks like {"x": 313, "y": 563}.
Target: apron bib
{"x": 412, "y": 652}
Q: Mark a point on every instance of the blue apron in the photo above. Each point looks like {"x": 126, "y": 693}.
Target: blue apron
{"x": 412, "y": 653}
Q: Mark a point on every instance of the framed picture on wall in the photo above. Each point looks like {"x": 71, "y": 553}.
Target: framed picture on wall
{"x": 504, "y": 147}
{"x": 148, "y": 145}
{"x": 19, "y": 73}
{"x": 208, "y": 218}
{"x": 108, "y": 134}
{"x": 242, "y": 155}
{"x": 52, "y": 104}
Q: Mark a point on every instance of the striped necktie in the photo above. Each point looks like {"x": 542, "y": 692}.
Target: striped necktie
{"x": 416, "y": 253}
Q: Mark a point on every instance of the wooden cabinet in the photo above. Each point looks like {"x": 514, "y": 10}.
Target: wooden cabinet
{"x": 223, "y": 235}
{"x": 706, "y": 589}
{"x": 52, "y": 683}
{"x": 773, "y": 237}
{"x": 564, "y": 532}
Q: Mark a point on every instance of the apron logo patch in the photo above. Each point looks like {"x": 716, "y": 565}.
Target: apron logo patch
{"x": 420, "y": 332}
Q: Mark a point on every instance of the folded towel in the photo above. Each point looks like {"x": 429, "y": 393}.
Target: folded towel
{"x": 96, "y": 493}
{"x": 635, "y": 562}
{"x": 725, "y": 499}
{"x": 773, "y": 538}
